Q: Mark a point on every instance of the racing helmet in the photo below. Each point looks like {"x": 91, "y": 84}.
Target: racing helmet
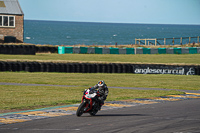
{"x": 101, "y": 84}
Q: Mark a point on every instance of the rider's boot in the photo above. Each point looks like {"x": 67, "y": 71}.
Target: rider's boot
{"x": 100, "y": 105}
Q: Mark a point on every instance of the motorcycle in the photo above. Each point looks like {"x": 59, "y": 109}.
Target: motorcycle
{"x": 89, "y": 104}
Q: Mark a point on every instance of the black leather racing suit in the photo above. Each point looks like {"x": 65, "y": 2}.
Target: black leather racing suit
{"x": 103, "y": 92}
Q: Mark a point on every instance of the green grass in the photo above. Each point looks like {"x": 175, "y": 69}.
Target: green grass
{"x": 159, "y": 58}
{"x": 31, "y": 97}
{"x": 28, "y": 97}
{"x": 89, "y": 79}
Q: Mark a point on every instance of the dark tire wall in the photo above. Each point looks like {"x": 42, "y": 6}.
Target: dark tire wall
{"x": 46, "y": 49}
{"x": 26, "y": 49}
{"x": 18, "y": 49}
{"x": 86, "y": 67}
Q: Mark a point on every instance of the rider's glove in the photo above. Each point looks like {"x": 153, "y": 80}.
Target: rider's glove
{"x": 102, "y": 98}
{"x": 101, "y": 92}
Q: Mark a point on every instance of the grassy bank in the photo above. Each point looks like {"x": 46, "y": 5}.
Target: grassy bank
{"x": 89, "y": 79}
{"x": 160, "y": 58}
{"x": 31, "y": 97}
{"x": 115, "y": 46}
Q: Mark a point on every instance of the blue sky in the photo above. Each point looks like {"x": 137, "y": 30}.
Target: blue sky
{"x": 114, "y": 11}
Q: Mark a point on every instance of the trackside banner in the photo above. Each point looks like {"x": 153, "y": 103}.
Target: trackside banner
{"x": 166, "y": 70}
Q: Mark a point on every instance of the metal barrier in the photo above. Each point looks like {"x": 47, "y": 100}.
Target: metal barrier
{"x": 167, "y": 41}
{"x": 139, "y": 50}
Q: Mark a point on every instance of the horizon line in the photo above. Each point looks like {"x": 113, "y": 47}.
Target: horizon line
{"x": 108, "y": 22}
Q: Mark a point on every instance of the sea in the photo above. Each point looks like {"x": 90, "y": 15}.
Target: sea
{"x": 90, "y": 33}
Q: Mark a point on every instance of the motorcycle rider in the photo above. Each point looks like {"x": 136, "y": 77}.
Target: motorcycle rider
{"x": 102, "y": 91}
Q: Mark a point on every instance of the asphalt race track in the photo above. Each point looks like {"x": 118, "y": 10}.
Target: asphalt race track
{"x": 166, "y": 117}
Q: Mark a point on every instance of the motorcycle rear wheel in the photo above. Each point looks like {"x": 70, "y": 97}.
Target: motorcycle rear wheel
{"x": 80, "y": 109}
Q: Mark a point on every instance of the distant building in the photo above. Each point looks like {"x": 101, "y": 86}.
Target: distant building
{"x": 11, "y": 21}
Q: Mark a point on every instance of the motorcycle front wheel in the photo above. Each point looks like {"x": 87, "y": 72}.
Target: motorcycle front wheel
{"x": 80, "y": 109}
{"x": 94, "y": 112}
